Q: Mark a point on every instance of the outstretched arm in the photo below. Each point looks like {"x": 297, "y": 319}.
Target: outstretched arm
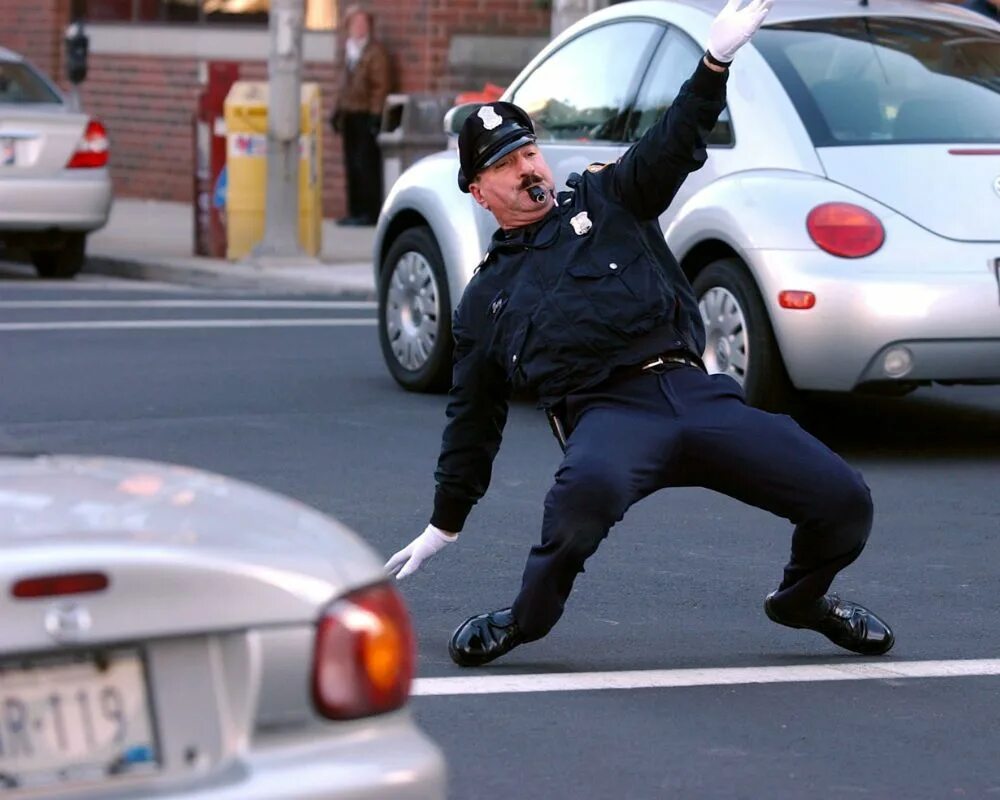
{"x": 477, "y": 412}
{"x": 647, "y": 177}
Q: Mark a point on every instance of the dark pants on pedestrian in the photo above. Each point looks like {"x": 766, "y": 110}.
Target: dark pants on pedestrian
{"x": 363, "y": 165}
{"x": 685, "y": 428}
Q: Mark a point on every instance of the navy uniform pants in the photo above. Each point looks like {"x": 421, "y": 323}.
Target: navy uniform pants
{"x": 685, "y": 428}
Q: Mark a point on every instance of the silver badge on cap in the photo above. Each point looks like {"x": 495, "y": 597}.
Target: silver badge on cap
{"x": 489, "y": 117}
{"x": 581, "y": 223}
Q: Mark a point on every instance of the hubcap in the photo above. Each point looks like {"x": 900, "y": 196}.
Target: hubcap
{"x": 411, "y": 310}
{"x": 728, "y": 347}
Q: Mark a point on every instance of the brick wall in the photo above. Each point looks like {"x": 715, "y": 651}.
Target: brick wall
{"x": 147, "y": 102}
{"x": 35, "y": 28}
{"x": 147, "y": 105}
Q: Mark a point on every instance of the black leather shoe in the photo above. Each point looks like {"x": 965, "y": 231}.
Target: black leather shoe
{"x": 844, "y": 623}
{"x": 483, "y": 638}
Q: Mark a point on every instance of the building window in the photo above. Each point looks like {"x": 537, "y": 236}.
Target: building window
{"x": 320, "y": 14}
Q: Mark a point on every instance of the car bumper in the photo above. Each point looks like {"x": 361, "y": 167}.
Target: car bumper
{"x": 400, "y": 762}
{"x": 381, "y": 757}
{"x": 74, "y": 200}
{"x": 948, "y": 322}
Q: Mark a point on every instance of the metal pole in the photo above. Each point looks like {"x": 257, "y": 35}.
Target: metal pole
{"x": 284, "y": 68}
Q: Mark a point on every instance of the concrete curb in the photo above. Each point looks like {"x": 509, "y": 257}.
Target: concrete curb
{"x": 354, "y": 279}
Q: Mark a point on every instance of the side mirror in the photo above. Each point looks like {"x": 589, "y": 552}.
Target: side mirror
{"x": 456, "y": 117}
{"x": 77, "y": 46}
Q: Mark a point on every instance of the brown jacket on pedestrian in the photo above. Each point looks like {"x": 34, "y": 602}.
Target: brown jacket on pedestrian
{"x": 365, "y": 88}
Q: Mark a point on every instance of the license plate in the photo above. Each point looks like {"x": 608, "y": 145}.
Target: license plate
{"x": 8, "y": 152}
{"x": 82, "y": 720}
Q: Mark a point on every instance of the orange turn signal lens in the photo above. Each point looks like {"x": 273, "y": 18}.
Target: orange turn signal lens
{"x": 796, "y": 300}
{"x": 383, "y": 656}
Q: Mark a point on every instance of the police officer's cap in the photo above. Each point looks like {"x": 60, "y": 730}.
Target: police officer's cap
{"x": 488, "y": 134}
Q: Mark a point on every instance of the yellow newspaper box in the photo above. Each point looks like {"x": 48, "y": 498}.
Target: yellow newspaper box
{"x": 246, "y": 167}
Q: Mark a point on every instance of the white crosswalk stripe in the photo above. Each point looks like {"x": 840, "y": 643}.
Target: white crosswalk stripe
{"x": 167, "y": 324}
{"x": 727, "y": 676}
{"x": 342, "y": 305}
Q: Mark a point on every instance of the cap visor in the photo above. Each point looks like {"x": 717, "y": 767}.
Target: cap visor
{"x": 510, "y": 147}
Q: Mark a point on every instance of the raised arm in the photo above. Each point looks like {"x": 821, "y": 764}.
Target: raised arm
{"x": 647, "y": 177}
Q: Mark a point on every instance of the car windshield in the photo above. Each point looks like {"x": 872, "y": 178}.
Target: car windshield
{"x": 20, "y": 84}
{"x": 877, "y": 80}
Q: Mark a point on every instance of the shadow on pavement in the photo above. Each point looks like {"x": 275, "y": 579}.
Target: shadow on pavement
{"x": 935, "y": 423}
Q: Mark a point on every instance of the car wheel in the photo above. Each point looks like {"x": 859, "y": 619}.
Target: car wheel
{"x": 63, "y": 262}
{"x": 415, "y": 313}
{"x": 739, "y": 338}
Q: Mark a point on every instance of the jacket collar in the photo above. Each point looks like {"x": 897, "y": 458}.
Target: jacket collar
{"x": 526, "y": 235}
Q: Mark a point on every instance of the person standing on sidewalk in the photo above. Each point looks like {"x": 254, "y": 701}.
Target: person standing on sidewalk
{"x": 580, "y": 299}
{"x": 357, "y": 116}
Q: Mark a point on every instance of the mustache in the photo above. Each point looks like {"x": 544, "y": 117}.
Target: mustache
{"x": 531, "y": 180}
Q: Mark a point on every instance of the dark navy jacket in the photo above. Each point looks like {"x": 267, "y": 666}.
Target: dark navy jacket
{"x": 556, "y": 306}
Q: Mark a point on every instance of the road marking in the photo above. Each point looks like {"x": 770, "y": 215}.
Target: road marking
{"x": 365, "y": 305}
{"x": 674, "y": 678}
{"x": 152, "y": 324}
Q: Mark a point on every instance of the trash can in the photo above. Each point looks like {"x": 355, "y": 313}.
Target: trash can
{"x": 412, "y": 127}
{"x": 246, "y": 167}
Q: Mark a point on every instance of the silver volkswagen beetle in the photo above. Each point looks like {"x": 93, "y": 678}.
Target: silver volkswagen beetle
{"x": 845, "y": 232}
{"x": 173, "y": 633}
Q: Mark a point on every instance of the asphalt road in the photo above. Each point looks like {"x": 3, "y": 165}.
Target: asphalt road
{"x": 293, "y": 395}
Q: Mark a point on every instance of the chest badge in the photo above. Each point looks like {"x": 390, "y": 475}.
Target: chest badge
{"x": 497, "y": 304}
{"x": 581, "y": 223}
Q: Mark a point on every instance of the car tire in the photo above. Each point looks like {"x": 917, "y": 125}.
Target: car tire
{"x": 740, "y": 339}
{"x": 64, "y": 261}
{"x": 415, "y": 313}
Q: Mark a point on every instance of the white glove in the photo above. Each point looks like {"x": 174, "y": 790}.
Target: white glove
{"x": 408, "y": 560}
{"x": 734, "y": 26}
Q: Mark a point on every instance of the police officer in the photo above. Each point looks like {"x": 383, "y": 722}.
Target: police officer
{"x": 580, "y": 300}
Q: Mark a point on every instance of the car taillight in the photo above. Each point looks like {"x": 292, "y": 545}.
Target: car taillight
{"x": 364, "y": 658}
{"x": 58, "y": 585}
{"x": 845, "y": 230}
{"x": 92, "y": 151}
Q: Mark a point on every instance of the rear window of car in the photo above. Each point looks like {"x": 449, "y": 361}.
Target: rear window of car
{"x": 877, "y": 80}
{"x": 20, "y": 84}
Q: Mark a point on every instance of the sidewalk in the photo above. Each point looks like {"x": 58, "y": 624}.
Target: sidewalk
{"x": 154, "y": 240}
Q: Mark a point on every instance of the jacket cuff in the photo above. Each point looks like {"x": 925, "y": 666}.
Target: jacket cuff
{"x": 449, "y": 512}
{"x": 708, "y": 83}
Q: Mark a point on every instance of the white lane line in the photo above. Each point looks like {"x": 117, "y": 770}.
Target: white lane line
{"x": 674, "y": 678}
{"x": 365, "y": 305}
{"x": 152, "y": 324}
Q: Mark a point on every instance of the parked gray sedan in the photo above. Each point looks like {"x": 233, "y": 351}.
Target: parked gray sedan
{"x": 54, "y": 182}
{"x": 845, "y": 232}
{"x": 173, "y": 633}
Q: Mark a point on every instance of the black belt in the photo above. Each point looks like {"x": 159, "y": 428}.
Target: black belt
{"x": 659, "y": 364}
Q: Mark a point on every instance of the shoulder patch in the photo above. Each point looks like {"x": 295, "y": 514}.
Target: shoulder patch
{"x": 596, "y": 167}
